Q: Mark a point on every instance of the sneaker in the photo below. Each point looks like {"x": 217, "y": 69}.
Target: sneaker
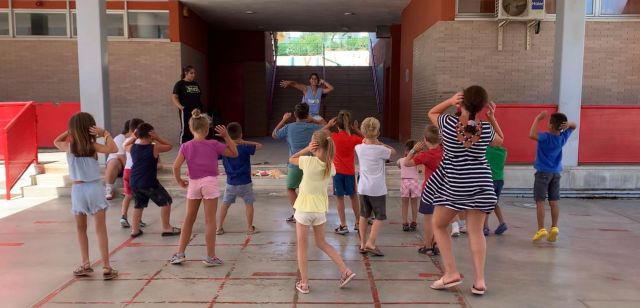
{"x": 212, "y": 261}
{"x": 486, "y": 231}
{"x": 413, "y": 226}
{"x": 342, "y": 230}
{"x": 405, "y": 227}
{"x": 540, "y": 234}
{"x": 501, "y": 228}
{"x": 124, "y": 223}
{"x": 142, "y": 224}
{"x": 177, "y": 258}
{"x": 108, "y": 193}
{"x": 291, "y": 219}
{"x": 463, "y": 229}
{"x": 553, "y": 234}
{"x": 455, "y": 229}
{"x": 356, "y": 226}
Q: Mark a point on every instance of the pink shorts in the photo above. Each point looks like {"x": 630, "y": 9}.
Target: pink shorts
{"x": 410, "y": 188}
{"x": 126, "y": 176}
{"x": 204, "y": 188}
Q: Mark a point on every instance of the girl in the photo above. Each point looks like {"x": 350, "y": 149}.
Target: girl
{"x": 312, "y": 204}
{"x": 344, "y": 182}
{"x": 409, "y": 189}
{"x": 463, "y": 180}
{"x": 87, "y": 193}
{"x": 201, "y": 156}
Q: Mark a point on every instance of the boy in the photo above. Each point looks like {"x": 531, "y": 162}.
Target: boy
{"x": 372, "y": 187}
{"x": 496, "y": 156}
{"x": 238, "y": 171}
{"x": 548, "y": 167}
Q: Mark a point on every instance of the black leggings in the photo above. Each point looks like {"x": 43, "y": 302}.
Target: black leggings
{"x": 185, "y": 132}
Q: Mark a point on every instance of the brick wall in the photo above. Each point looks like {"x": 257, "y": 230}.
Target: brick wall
{"x": 141, "y": 76}
{"x": 454, "y": 54}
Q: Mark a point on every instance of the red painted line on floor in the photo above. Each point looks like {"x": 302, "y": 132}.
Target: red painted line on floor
{"x": 16, "y": 244}
{"x": 372, "y": 282}
{"x": 428, "y": 275}
{"x": 273, "y": 274}
{"x": 84, "y": 303}
{"x": 46, "y": 222}
{"x": 458, "y": 293}
{"x": 228, "y": 274}
{"x": 144, "y": 286}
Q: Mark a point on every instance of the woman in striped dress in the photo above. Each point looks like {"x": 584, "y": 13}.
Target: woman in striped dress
{"x": 463, "y": 179}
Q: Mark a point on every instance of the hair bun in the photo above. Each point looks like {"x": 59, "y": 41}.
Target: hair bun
{"x": 196, "y": 113}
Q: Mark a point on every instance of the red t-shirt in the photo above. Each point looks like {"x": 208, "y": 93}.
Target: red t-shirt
{"x": 431, "y": 160}
{"x": 344, "y": 159}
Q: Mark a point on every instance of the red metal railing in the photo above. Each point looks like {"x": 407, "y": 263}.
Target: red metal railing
{"x": 18, "y": 140}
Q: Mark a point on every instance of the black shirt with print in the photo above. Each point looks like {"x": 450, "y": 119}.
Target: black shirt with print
{"x": 188, "y": 94}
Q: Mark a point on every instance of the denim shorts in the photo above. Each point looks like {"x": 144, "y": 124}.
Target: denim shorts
{"x": 546, "y": 184}
{"x": 497, "y": 187}
{"x": 243, "y": 191}
{"x": 344, "y": 185}
{"x": 426, "y": 208}
{"x": 88, "y": 198}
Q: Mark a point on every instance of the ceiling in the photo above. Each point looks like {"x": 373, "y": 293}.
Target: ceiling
{"x": 299, "y": 15}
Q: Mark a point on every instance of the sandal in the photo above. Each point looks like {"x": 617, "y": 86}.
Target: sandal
{"x": 109, "y": 274}
{"x": 405, "y": 227}
{"x": 83, "y": 270}
{"x": 413, "y": 226}
{"x": 374, "y": 251}
{"x": 363, "y": 251}
{"x": 346, "y": 277}
{"x": 477, "y": 291}
{"x": 425, "y": 251}
{"x": 220, "y": 231}
{"x": 303, "y": 288}
{"x": 252, "y": 231}
{"x": 436, "y": 250}
{"x": 441, "y": 285}
{"x": 174, "y": 231}
{"x": 291, "y": 219}
{"x": 136, "y": 234}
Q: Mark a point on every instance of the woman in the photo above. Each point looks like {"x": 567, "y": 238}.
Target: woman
{"x": 186, "y": 97}
{"x": 312, "y": 94}
{"x": 462, "y": 182}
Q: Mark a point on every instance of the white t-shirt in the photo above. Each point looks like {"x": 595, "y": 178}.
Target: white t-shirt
{"x": 129, "y": 163}
{"x": 372, "y": 158}
{"x": 119, "y": 140}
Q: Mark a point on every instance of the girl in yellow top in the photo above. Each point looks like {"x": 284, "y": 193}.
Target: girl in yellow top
{"x": 312, "y": 204}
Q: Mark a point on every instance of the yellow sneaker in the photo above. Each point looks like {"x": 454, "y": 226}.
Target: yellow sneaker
{"x": 553, "y": 234}
{"x": 540, "y": 234}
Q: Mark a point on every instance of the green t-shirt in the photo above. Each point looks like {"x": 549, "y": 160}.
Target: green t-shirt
{"x": 496, "y": 157}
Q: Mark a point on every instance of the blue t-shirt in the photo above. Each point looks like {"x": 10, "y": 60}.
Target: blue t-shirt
{"x": 298, "y": 135}
{"x": 549, "y": 151}
{"x": 238, "y": 169}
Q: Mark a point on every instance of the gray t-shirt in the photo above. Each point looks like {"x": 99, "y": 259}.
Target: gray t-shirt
{"x": 298, "y": 135}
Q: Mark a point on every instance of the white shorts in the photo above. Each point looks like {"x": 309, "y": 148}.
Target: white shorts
{"x": 310, "y": 219}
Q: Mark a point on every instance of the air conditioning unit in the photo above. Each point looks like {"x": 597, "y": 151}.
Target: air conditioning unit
{"x": 520, "y": 9}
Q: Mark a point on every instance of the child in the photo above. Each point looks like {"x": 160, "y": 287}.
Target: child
{"x": 126, "y": 175}
{"x": 548, "y": 167}
{"x": 409, "y": 189}
{"x": 344, "y": 182}
{"x": 115, "y": 162}
{"x": 239, "y": 177}
{"x": 312, "y": 204}
{"x": 431, "y": 160}
{"x": 496, "y": 156}
{"x": 201, "y": 156}
{"x": 144, "y": 181}
{"x": 87, "y": 193}
{"x": 372, "y": 155}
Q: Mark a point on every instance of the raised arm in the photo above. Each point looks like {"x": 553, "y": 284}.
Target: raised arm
{"x": 408, "y": 160}
{"x": 232, "y": 148}
{"x": 109, "y": 145}
{"x": 328, "y": 87}
{"x": 256, "y": 144}
{"x": 331, "y": 124}
{"x": 61, "y": 141}
{"x": 438, "y": 109}
{"x": 393, "y": 151}
{"x": 161, "y": 144}
{"x": 491, "y": 115}
{"x": 533, "y": 132}
{"x": 295, "y": 158}
{"x": 290, "y": 83}
{"x": 355, "y": 129}
{"x": 285, "y": 119}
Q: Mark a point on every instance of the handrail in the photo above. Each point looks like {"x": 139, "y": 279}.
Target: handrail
{"x": 21, "y": 133}
{"x": 375, "y": 76}
{"x": 274, "y": 42}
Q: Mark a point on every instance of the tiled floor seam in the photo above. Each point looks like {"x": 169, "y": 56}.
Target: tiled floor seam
{"x": 228, "y": 274}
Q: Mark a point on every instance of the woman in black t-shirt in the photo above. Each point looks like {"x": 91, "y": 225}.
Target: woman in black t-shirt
{"x": 186, "y": 96}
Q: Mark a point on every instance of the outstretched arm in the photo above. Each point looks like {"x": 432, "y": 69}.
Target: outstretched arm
{"x": 256, "y": 144}
{"x": 291, "y": 83}
{"x": 437, "y": 110}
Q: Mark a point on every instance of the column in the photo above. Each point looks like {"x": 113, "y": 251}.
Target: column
{"x": 569, "y": 60}
{"x": 92, "y": 60}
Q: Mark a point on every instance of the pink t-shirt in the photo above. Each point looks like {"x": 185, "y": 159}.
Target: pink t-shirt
{"x": 202, "y": 157}
{"x": 407, "y": 172}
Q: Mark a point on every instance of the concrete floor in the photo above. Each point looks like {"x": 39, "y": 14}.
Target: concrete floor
{"x": 593, "y": 264}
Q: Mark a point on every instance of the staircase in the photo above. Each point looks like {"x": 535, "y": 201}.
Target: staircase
{"x": 354, "y": 91}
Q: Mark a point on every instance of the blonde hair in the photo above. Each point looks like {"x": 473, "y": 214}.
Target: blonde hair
{"x": 82, "y": 141}
{"x": 432, "y": 134}
{"x": 199, "y": 122}
{"x": 344, "y": 121}
{"x": 323, "y": 139}
{"x": 370, "y": 128}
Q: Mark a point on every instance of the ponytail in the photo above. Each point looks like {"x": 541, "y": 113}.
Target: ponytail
{"x": 344, "y": 121}
{"x": 471, "y": 126}
{"x": 325, "y": 143}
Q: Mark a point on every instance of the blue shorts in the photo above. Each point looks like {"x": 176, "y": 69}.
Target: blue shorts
{"x": 425, "y": 209}
{"x": 344, "y": 185}
{"x": 497, "y": 187}
{"x": 243, "y": 191}
{"x": 88, "y": 198}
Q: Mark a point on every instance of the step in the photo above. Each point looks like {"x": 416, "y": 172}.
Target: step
{"x": 56, "y": 168}
{"x": 51, "y": 179}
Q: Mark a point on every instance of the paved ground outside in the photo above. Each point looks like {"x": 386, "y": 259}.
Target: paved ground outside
{"x": 593, "y": 264}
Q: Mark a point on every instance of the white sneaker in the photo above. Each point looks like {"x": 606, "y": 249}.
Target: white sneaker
{"x": 455, "y": 229}
{"x": 108, "y": 193}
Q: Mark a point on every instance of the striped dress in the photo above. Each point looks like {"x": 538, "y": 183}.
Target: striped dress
{"x": 463, "y": 179}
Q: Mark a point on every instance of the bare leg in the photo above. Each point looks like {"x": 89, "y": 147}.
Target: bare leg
{"x": 135, "y": 220}
{"x": 292, "y": 195}
{"x": 210, "y": 208}
{"x": 414, "y": 209}
{"x": 362, "y": 231}
{"x": 555, "y": 212}
{"x": 83, "y": 240}
{"x": 318, "y": 232}
{"x": 302, "y": 234}
{"x": 427, "y": 230}
{"x": 540, "y": 214}
{"x": 405, "y": 209}
{"x": 124, "y": 209}
{"x": 477, "y": 245}
{"x": 223, "y": 214}
{"x": 375, "y": 229}
{"x": 442, "y": 217}
{"x": 498, "y": 212}
{"x": 103, "y": 239}
{"x": 249, "y": 212}
{"x": 165, "y": 215}
{"x": 193, "y": 205}
{"x": 114, "y": 167}
{"x": 355, "y": 206}
{"x": 341, "y": 213}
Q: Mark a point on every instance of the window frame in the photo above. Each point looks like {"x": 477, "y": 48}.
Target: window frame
{"x": 39, "y": 11}
{"x": 9, "y": 25}
{"x": 595, "y": 16}
{"x": 168, "y": 39}
{"x": 109, "y": 37}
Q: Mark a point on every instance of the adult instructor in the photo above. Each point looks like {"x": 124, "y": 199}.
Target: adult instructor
{"x": 186, "y": 97}
{"x": 311, "y": 94}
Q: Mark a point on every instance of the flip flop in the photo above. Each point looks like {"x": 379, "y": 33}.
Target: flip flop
{"x": 374, "y": 251}
{"x": 303, "y": 288}
{"x": 252, "y": 231}
{"x": 175, "y": 231}
{"x": 441, "y": 285}
{"x": 363, "y": 251}
{"x": 137, "y": 234}
{"x": 477, "y": 291}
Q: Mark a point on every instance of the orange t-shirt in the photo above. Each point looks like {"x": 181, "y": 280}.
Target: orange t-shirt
{"x": 344, "y": 159}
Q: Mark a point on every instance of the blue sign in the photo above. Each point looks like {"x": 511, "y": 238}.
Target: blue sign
{"x": 537, "y": 4}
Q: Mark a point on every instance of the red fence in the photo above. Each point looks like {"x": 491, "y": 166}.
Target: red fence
{"x": 53, "y": 119}
{"x": 17, "y": 140}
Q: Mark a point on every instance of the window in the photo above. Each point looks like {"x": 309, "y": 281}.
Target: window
{"x": 4, "y": 23}
{"x": 150, "y": 25}
{"x": 619, "y": 7}
{"x": 45, "y": 24}
{"x": 114, "y": 24}
{"x": 477, "y": 6}
{"x": 550, "y": 7}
